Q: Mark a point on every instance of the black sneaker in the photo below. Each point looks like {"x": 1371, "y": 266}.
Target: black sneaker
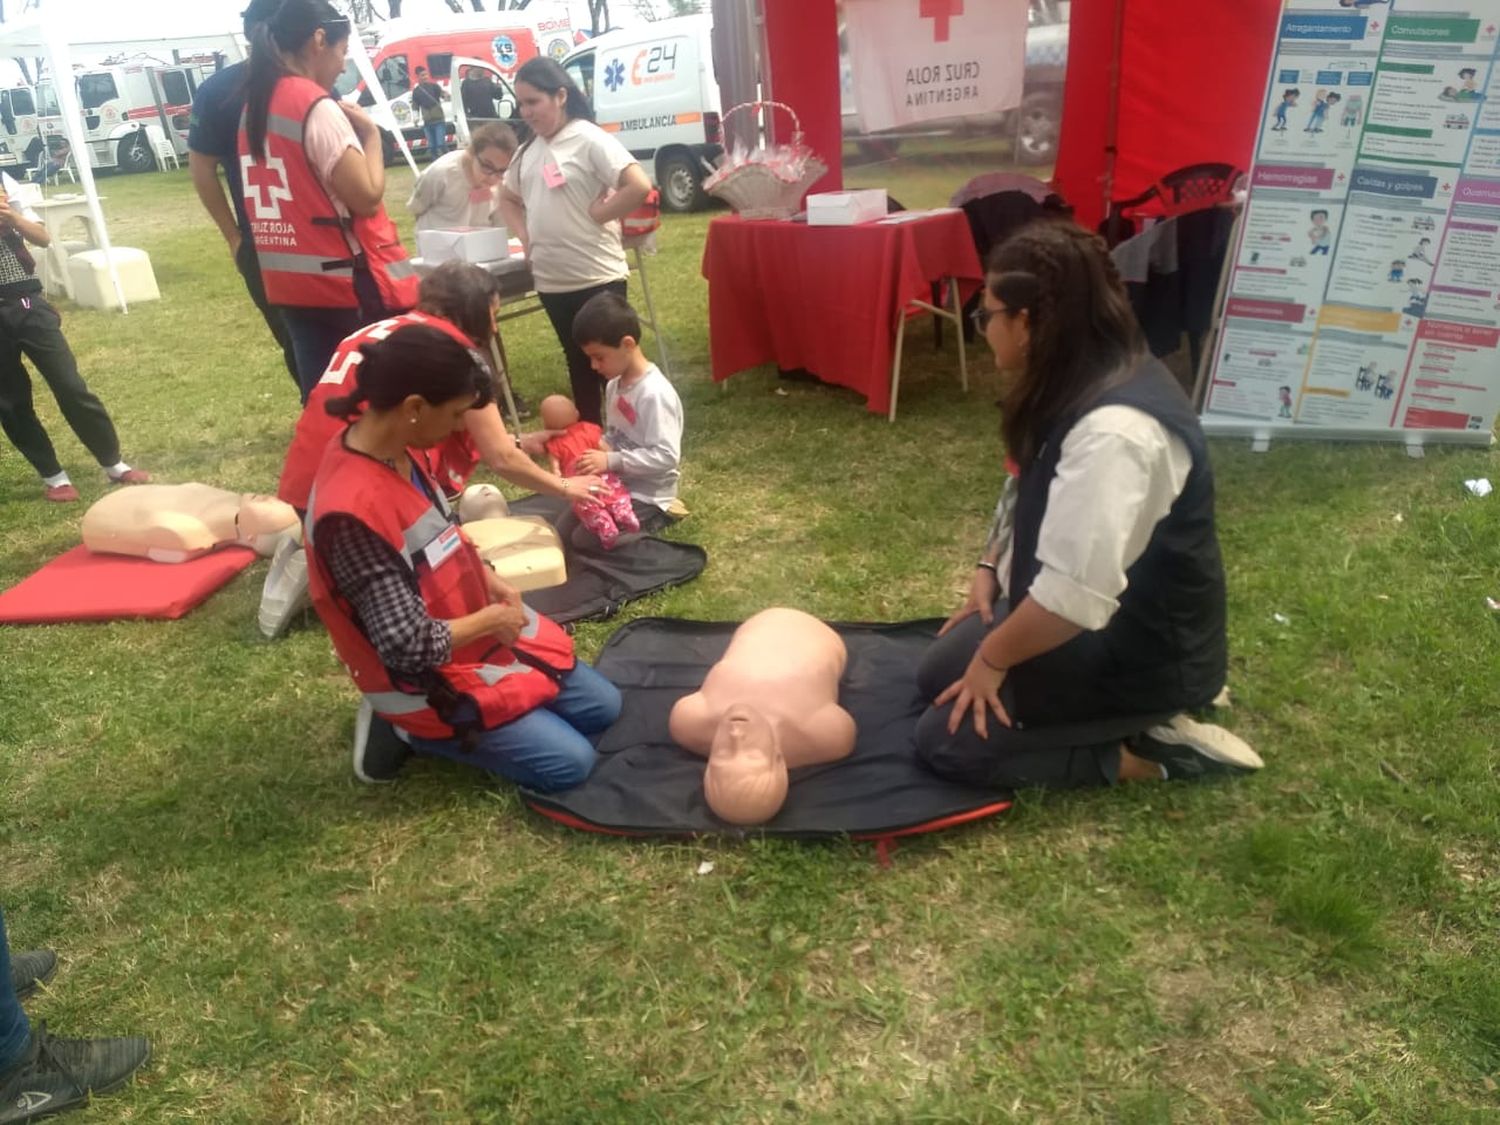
{"x": 523, "y": 408}
{"x": 57, "y": 1075}
{"x": 27, "y": 970}
{"x": 1187, "y": 749}
{"x": 379, "y": 752}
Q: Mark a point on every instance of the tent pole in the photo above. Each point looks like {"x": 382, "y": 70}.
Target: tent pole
{"x": 1112, "y": 122}
{"x": 60, "y": 58}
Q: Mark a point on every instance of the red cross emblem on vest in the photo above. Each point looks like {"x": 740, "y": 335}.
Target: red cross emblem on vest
{"x": 940, "y": 12}
{"x": 265, "y": 185}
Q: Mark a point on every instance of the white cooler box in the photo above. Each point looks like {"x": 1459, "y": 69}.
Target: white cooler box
{"x": 846, "y": 208}
{"x": 463, "y": 244}
{"x": 89, "y": 272}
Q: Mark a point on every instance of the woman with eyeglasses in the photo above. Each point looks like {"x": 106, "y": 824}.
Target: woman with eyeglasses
{"x": 567, "y": 190}
{"x": 462, "y": 188}
{"x": 1095, "y": 620}
{"x": 314, "y": 178}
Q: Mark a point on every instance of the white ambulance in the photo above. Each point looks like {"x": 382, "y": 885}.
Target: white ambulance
{"x": 125, "y": 108}
{"x": 653, "y": 86}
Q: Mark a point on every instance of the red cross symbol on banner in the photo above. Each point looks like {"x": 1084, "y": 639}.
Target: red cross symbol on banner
{"x": 940, "y": 12}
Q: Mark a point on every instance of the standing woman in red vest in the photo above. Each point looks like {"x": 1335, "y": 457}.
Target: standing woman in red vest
{"x": 314, "y": 177}
{"x": 448, "y": 659}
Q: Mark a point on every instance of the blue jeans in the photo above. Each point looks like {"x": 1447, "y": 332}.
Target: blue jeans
{"x": 315, "y": 334}
{"x": 15, "y": 1032}
{"x": 546, "y": 749}
{"x": 437, "y": 133}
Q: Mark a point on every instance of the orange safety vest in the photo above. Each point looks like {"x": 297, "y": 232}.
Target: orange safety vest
{"x": 308, "y": 252}
{"x": 452, "y": 463}
{"x": 498, "y": 682}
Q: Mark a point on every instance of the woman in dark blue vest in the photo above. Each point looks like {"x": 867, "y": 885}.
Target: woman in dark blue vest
{"x": 1095, "y": 619}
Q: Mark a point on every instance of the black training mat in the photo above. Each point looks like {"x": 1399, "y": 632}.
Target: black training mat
{"x": 599, "y": 581}
{"x": 644, "y": 784}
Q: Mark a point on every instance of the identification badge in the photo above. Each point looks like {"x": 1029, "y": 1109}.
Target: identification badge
{"x": 622, "y": 404}
{"x": 552, "y": 175}
{"x": 444, "y": 547}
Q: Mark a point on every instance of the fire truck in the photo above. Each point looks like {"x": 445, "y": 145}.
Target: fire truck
{"x": 18, "y": 124}
{"x": 126, "y": 108}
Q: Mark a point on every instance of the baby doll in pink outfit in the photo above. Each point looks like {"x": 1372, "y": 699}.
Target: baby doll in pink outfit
{"x": 605, "y": 515}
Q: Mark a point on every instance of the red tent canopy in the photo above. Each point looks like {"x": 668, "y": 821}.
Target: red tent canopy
{"x": 1191, "y": 81}
{"x": 1191, "y": 78}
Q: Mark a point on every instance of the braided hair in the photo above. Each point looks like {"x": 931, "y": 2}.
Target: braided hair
{"x": 414, "y": 360}
{"x": 1084, "y": 336}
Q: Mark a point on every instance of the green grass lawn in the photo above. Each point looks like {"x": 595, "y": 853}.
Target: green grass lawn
{"x": 1318, "y": 942}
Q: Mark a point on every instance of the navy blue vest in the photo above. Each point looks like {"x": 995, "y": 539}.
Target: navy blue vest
{"x": 1165, "y": 648}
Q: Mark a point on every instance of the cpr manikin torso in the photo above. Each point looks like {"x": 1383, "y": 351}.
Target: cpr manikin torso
{"x": 771, "y": 704}
{"x": 177, "y": 522}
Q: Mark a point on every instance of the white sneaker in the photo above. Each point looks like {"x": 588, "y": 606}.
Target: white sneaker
{"x": 1189, "y": 749}
{"x": 285, "y": 594}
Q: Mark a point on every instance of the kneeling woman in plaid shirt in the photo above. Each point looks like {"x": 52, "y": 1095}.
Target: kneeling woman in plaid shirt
{"x": 448, "y": 659}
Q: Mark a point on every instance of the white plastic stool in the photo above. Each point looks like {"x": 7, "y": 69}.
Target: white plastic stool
{"x": 89, "y": 273}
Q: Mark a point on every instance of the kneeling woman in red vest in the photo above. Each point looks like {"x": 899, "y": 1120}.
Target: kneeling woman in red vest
{"x": 459, "y": 300}
{"x": 448, "y": 659}
{"x": 314, "y": 177}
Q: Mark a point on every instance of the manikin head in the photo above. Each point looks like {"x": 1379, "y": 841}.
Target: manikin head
{"x": 482, "y": 502}
{"x": 264, "y": 515}
{"x": 264, "y": 521}
{"x": 558, "y": 412}
{"x": 746, "y": 779}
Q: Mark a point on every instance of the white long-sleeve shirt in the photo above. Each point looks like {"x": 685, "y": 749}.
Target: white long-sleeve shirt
{"x": 1118, "y": 474}
{"x": 643, "y": 425}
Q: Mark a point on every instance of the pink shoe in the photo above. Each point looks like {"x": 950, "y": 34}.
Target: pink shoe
{"x": 132, "y": 476}
{"x": 60, "y": 493}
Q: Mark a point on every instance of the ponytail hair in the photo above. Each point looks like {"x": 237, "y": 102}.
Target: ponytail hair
{"x": 549, "y": 77}
{"x": 414, "y": 360}
{"x": 282, "y": 35}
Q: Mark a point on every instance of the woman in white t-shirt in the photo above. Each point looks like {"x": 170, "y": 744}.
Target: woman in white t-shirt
{"x": 330, "y": 257}
{"x": 461, "y": 189}
{"x": 567, "y": 190}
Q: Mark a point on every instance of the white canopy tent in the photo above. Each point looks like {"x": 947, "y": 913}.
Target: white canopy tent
{"x": 41, "y": 34}
{"x": 381, "y": 111}
{"x": 43, "y": 37}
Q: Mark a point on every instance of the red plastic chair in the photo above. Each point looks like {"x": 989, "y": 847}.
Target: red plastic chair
{"x": 1193, "y": 188}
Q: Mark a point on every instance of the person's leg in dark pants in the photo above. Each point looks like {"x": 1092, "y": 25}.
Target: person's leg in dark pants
{"x": 15, "y": 1031}
{"x": 36, "y": 327}
{"x": 316, "y": 335}
{"x": 249, "y": 266}
{"x": 1071, "y": 757}
{"x": 18, "y": 414}
{"x": 588, "y": 387}
{"x": 650, "y": 516}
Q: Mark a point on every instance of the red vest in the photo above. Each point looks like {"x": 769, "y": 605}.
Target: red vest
{"x": 452, "y": 462}
{"x": 499, "y": 683}
{"x": 307, "y": 251}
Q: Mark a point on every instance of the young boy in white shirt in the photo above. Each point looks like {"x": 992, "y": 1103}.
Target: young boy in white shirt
{"x": 642, "y": 412}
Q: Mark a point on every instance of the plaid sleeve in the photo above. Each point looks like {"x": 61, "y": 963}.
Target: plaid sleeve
{"x": 383, "y": 591}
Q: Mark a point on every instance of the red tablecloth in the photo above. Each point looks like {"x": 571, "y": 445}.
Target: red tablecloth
{"x": 826, "y": 298}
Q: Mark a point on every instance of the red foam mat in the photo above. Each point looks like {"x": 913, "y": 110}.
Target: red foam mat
{"x": 83, "y": 586}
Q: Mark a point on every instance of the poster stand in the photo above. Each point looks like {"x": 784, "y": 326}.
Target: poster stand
{"x": 1361, "y": 296}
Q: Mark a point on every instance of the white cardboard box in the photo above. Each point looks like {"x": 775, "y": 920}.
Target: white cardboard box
{"x": 845, "y": 208}
{"x": 464, "y": 244}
